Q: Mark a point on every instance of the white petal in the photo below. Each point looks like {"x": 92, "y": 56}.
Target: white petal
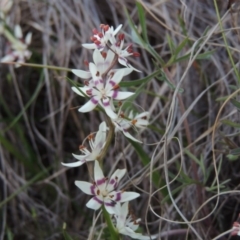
{"x": 118, "y": 75}
{"x": 28, "y": 38}
{"x": 108, "y": 109}
{"x": 89, "y": 45}
{"x": 101, "y": 135}
{"x": 74, "y": 164}
{"x": 8, "y": 58}
{"x": 81, "y": 73}
{"x": 121, "y": 95}
{"x": 142, "y": 115}
{"x": 80, "y": 157}
{"x": 117, "y": 29}
{"x": 98, "y": 58}
{"x": 98, "y": 173}
{"x": 128, "y": 196}
{"x": 129, "y": 232}
{"x": 83, "y": 90}
{"x": 111, "y": 209}
{"x": 128, "y": 135}
{"x": 89, "y": 106}
{"x": 115, "y": 178}
{"x": 85, "y": 187}
{"x": 94, "y": 204}
{"x": 18, "y": 31}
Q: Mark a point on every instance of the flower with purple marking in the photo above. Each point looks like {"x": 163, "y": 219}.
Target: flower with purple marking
{"x": 126, "y": 223}
{"x": 101, "y": 38}
{"x": 19, "y": 48}
{"x": 96, "y": 146}
{"x": 104, "y": 190}
{"x": 103, "y": 91}
{"x": 103, "y": 61}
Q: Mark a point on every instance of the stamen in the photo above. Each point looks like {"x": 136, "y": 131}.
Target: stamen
{"x": 136, "y": 54}
{"x": 90, "y": 136}
{"x": 81, "y": 147}
{"x": 115, "y": 87}
{"x": 104, "y": 54}
{"x": 134, "y": 121}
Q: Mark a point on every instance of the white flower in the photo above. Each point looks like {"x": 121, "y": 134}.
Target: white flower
{"x": 96, "y": 147}
{"x": 19, "y": 51}
{"x": 126, "y": 224}
{"x": 123, "y": 123}
{"x": 117, "y": 47}
{"x": 100, "y": 39}
{"x": 103, "y": 91}
{"x": 104, "y": 190}
{"x": 139, "y": 120}
{"x": 5, "y": 5}
{"x": 102, "y": 63}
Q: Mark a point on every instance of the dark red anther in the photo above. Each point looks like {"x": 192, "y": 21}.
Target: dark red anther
{"x": 89, "y": 92}
{"x": 104, "y": 54}
{"x": 118, "y": 44}
{"x": 130, "y": 50}
{"x": 86, "y": 63}
{"x": 81, "y": 147}
{"x": 121, "y": 36}
{"x": 97, "y": 73}
{"x": 102, "y": 26}
{"x": 100, "y": 34}
{"x": 97, "y": 42}
{"x": 95, "y": 31}
{"x": 136, "y": 54}
{"x": 119, "y": 103}
{"x": 106, "y": 27}
{"x": 93, "y": 39}
{"x": 115, "y": 87}
{"x": 122, "y": 115}
{"x": 86, "y": 83}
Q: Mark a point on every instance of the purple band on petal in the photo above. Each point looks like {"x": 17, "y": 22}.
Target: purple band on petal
{"x": 112, "y": 181}
{"x": 94, "y": 101}
{"x": 98, "y": 200}
{"x": 115, "y": 93}
{"x": 110, "y": 204}
{"x": 101, "y": 181}
{"x": 118, "y": 196}
{"x": 106, "y": 104}
{"x": 93, "y": 189}
{"x": 112, "y": 83}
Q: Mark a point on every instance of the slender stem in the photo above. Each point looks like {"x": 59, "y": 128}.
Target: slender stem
{"x": 40, "y": 66}
{"x": 111, "y": 228}
{"x": 9, "y": 36}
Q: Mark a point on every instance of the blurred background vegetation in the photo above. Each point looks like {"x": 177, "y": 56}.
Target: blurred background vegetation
{"x": 40, "y": 126}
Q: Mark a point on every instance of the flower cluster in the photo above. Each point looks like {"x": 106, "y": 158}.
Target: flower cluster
{"x": 17, "y": 50}
{"x": 101, "y": 86}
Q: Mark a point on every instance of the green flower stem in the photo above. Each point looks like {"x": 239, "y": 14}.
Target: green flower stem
{"x": 111, "y": 228}
{"x": 41, "y": 66}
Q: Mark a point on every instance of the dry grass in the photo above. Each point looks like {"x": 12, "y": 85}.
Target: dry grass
{"x": 41, "y": 127}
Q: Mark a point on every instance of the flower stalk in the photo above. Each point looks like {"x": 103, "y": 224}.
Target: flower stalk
{"x": 113, "y": 231}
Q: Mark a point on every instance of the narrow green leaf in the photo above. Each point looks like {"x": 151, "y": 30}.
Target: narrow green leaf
{"x": 230, "y": 123}
{"x": 180, "y": 47}
{"x": 140, "y": 81}
{"x": 235, "y": 103}
{"x": 142, "y": 19}
{"x": 171, "y": 44}
{"x": 235, "y": 151}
